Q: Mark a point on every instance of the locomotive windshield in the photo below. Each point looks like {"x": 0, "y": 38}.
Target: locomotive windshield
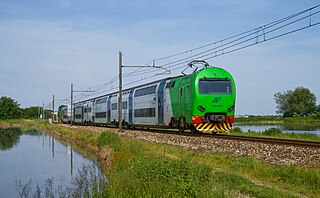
{"x": 215, "y": 86}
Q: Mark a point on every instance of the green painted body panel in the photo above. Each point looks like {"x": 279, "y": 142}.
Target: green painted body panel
{"x": 185, "y": 96}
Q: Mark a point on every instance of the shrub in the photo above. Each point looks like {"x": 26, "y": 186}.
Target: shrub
{"x": 236, "y": 130}
{"x": 272, "y": 131}
{"x": 110, "y": 139}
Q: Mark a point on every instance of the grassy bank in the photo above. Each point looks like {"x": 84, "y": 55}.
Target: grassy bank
{"x": 142, "y": 169}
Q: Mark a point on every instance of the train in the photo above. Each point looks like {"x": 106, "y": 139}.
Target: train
{"x": 203, "y": 101}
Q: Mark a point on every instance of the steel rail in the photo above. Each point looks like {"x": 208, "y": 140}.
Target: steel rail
{"x": 268, "y": 140}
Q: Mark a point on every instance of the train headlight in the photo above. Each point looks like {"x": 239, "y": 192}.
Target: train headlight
{"x": 201, "y": 108}
{"x": 231, "y": 108}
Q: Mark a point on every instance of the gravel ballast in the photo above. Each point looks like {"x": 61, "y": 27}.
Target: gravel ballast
{"x": 277, "y": 154}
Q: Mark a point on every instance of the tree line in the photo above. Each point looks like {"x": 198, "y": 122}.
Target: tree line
{"x": 10, "y": 109}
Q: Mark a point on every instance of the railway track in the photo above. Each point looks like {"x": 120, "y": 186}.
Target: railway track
{"x": 289, "y": 142}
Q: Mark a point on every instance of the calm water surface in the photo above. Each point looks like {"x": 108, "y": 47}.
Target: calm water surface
{"x": 285, "y": 129}
{"x": 36, "y": 156}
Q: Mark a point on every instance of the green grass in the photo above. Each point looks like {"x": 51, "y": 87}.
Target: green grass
{"x": 142, "y": 169}
{"x": 151, "y": 170}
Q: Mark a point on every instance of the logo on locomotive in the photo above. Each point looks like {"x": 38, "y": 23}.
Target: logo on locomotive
{"x": 216, "y": 99}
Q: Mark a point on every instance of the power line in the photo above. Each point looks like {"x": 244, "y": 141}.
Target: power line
{"x": 225, "y": 46}
{"x": 250, "y": 35}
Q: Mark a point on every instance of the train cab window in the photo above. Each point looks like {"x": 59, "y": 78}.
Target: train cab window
{"x": 167, "y": 85}
{"x": 215, "y": 86}
{"x": 172, "y": 84}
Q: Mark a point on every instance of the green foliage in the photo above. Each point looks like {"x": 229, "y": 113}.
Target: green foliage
{"x": 110, "y": 139}
{"x": 9, "y": 137}
{"x": 31, "y": 112}
{"x": 236, "y": 130}
{"x": 272, "y": 132}
{"x": 300, "y": 102}
{"x": 9, "y": 109}
{"x": 60, "y": 112}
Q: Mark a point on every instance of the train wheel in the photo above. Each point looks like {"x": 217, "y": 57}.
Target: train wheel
{"x": 181, "y": 130}
{"x": 193, "y": 130}
{"x": 181, "y": 126}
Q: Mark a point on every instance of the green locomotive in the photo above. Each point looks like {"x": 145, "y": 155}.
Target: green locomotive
{"x": 203, "y": 101}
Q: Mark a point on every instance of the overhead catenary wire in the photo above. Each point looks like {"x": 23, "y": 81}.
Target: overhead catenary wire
{"x": 239, "y": 39}
{"x": 215, "y": 49}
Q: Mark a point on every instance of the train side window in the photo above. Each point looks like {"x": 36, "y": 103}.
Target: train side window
{"x": 114, "y": 106}
{"x": 124, "y": 105}
{"x": 101, "y": 100}
{"x": 145, "y": 91}
{"x": 147, "y": 112}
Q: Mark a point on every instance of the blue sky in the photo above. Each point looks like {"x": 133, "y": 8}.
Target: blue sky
{"x": 46, "y": 45}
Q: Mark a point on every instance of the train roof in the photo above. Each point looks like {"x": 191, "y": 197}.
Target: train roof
{"x": 142, "y": 85}
{"x": 128, "y": 89}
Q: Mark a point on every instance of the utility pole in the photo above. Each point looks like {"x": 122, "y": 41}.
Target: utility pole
{"x": 49, "y": 116}
{"x": 42, "y": 110}
{"x": 120, "y": 93}
{"x": 53, "y": 108}
{"x": 38, "y": 112}
{"x": 72, "y": 101}
{"x": 71, "y": 104}
{"x": 120, "y": 85}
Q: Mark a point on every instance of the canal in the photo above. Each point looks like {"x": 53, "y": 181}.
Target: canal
{"x": 32, "y": 159}
{"x": 292, "y": 128}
